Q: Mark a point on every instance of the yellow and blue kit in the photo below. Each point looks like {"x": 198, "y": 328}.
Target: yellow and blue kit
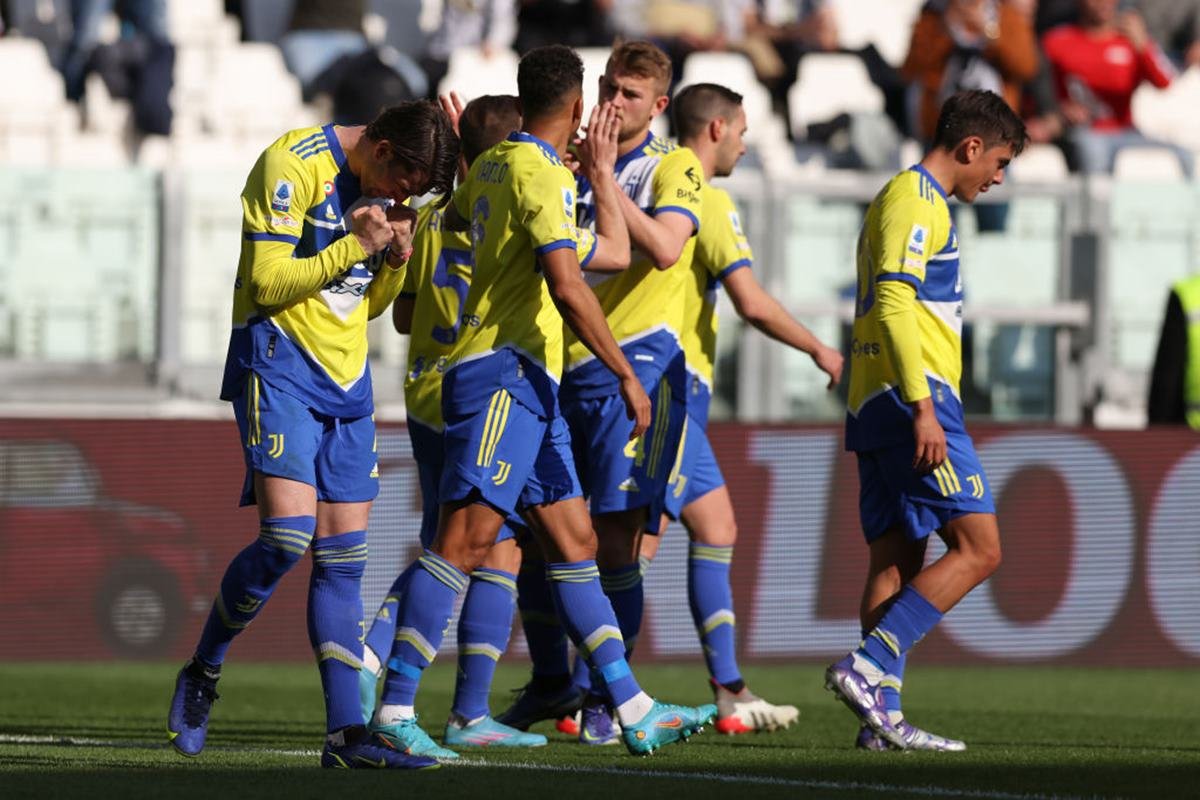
{"x": 438, "y": 280}
{"x": 644, "y": 307}
{"x": 721, "y": 248}
{"x": 303, "y": 295}
{"x": 505, "y": 440}
{"x": 908, "y": 264}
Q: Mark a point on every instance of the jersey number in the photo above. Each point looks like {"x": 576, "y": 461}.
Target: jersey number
{"x": 443, "y": 278}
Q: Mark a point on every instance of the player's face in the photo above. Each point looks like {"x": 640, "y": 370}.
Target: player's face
{"x": 732, "y": 145}
{"x": 983, "y": 172}
{"x": 384, "y": 176}
{"x": 635, "y": 98}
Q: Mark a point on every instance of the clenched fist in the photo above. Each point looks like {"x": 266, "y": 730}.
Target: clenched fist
{"x": 370, "y": 225}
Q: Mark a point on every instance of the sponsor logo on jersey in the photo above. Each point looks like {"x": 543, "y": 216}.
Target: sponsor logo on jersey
{"x": 281, "y": 198}
{"x": 569, "y": 203}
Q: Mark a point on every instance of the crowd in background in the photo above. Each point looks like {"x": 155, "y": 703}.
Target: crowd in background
{"x": 1069, "y": 66}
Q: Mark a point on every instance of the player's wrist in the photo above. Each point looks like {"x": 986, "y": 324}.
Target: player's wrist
{"x": 397, "y": 260}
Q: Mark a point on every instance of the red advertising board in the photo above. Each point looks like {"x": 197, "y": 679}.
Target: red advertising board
{"x": 114, "y": 534}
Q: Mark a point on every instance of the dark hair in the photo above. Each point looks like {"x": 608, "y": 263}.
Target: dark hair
{"x": 699, "y": 104}
{"x": 643, "y": 59}
{"x": 546, "y": 78}
{"x": 487, "y": 120}
{"x": 981, "y": 113}
{"x": 422, "y": 140}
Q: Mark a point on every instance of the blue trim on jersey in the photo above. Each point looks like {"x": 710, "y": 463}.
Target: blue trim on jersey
{"x": 307, "y": 142}
{"x": 591, "y": 252}
{"x": 467, "y": 385}
{"x": 272, "y": 237}
{"x": 556, "y": 245}
{"x": 745, "y": 262}
{"x": 932, "y": 180}
{"x": 335, "y": 147}
{"x": 640, "y": 150}
{"x": 903, "y": 277}
{"x": 886, "y": 420}
{"x": 652, "y": 356}
{"x": 544, "y": 146}
{"x": 680, "y": 210}
{"x": 321, "y": 148}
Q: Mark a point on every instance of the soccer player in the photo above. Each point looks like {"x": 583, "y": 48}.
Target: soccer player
{"x": 506, "y": 443}
{"x": 319, "y": 258}
{"x": 917, "y": 467}
{"x": 711, "y": 122}
{"x": 429, "y": 309}
{"x": 625, "y": 479}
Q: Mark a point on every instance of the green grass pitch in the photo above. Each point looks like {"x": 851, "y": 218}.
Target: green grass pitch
{"x": 97, "y": 730}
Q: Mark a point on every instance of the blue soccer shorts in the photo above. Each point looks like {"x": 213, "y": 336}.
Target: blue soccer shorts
{"x": 428, "y": 448}
{"x": 284, "y": 438}
{"x": 508, "y": 455}
{"x": 619, "y": 474}
{"x": 696, "y": 471}
{"x": 894, "y": 495}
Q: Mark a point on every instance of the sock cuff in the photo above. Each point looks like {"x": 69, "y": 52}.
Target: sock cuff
{"x": 499, "y": 577}
{"x": 443, "y": 571}
{"x": 717, "y": 554}
{"x": 289, "y": 534}
{"x": 573, "y": 572}
{"x": 344, "y": 548}
{"x": 621, "y": 579}
{"x": 916, "y": 601}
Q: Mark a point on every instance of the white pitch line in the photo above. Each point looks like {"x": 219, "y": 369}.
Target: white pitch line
{"x": 747, "y": 780}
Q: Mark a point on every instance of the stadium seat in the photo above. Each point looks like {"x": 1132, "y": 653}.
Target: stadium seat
{"x": 471, "y": 74}
{"x": 829, "y": 84}
{"x": 402, "y": 31}
{"x": 1169, "y": 114}
{"x": 887, "y": 25}
{"x": 595, "y": 59}
{"x": 735, "y": 71}
{"x": 261, "y": 108}
{"x": 1147, "y": 164}
{"x": 201, "y": 22}
{"x": 1040, "y": 163}
{"x": 266, "y": 20}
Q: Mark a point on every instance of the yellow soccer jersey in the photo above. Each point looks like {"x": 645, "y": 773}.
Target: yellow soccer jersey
{"x": 721, "y": 248}
{"x": 299, "y": 316}
{"x": 520, "y": 201}
{"x": 438, "y": 280}
{"x": 908, "y": 236}
{"x": 643, "y": 305}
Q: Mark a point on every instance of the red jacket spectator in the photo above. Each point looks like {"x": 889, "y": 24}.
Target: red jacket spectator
{"x": 1099, "y": 69}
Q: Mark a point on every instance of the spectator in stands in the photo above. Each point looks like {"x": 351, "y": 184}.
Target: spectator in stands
{"x": 489, "y": 25}
{"x": 1097, "y": 63}
{"x": 147, "y": 18}
{"x": 969, "y": 44}
{"x": 1175, "y": 26}
{"x": 1049, "y": 14}
{"x": 683, "y": 27}
{"x": 790, "y": 31}
{"x": 575, "y": 23}
{"x": 1175, "y": 379}
{"x": 322, "y": 32}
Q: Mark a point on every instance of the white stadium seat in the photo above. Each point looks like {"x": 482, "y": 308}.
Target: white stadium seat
{"x": 1040, "y": 162}
{"x": 734, "y": 71}
{"x": 887, "y": 24}
{"x": 471, "y": 74}
{"x": 829, "y": 84}
{"x": 1147, "y": 164}
{"x": 1170, "y": 114}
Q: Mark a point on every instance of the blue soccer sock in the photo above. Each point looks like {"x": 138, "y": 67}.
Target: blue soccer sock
{"x": 544, "y": 633}
{"x": 425, "y": 610}
{"x": 592, "y": 625}
{"x": 906, "y": 622}
{"x": 581, "y": 674}
{"x": 250, "y": 579}
{"x": 711, "y": 600}
{"x": 335, "y": 619}
{"x": 484, "y": 626}
{"x": 383, "y": 627}
{"x": 891, "y": 686}
{"x": 623, "y": 587}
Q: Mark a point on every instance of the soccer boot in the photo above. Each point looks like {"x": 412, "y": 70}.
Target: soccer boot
{"x": 745, "y": 712}
{"x": 596, "y": 727}
{"x": 664, "y": 724}
{"x": 853, "y": 689}
{"x": 533, "y": 706}
{"x": 406, "y": 736}
{"x": 487, "y": 732}
{"x": 359, "y": 750}
{"x": 368, "y": 683}
{"x": 187, "y": 721}
{"x": 914, "y": 739}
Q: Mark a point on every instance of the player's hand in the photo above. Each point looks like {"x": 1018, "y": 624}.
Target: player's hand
{"x": 371, "y": 227}
{"x": 1133, "y": 27}
{"x": 930, "y": 438}
{"x": 830, "y": 362}
{"x": 452, "y": 106}
{"x": 403, "y": 222}
{"x": 598, "y": 152}
{"x": 637, "y": 405}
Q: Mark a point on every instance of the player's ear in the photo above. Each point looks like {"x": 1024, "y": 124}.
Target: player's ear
{"x": 716, "y": 129}
{"x": 970, "y": 149}
{"x": 660, "y": 105}
{"x": 382, "y": 152}
{"x": 577, "y": 111}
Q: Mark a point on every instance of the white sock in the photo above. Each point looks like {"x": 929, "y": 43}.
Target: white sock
{"x": 633, "y": 710}
{"x": 371, "y": 661}
{"x": 868, "y": 670}
{"x": 895, "y": 717}
{"x": 386, "y": 715}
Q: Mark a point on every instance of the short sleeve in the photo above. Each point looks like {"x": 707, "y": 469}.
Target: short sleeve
{"x": 678, "y": 180}
{"x": 275, "y": 198}
{"x": 908, "y": 229}
{"x": 585, "y": 246}
{"x": 426, "y": 246}
{"x": 546, "y": 199}
{"x": 722, "y": 245}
